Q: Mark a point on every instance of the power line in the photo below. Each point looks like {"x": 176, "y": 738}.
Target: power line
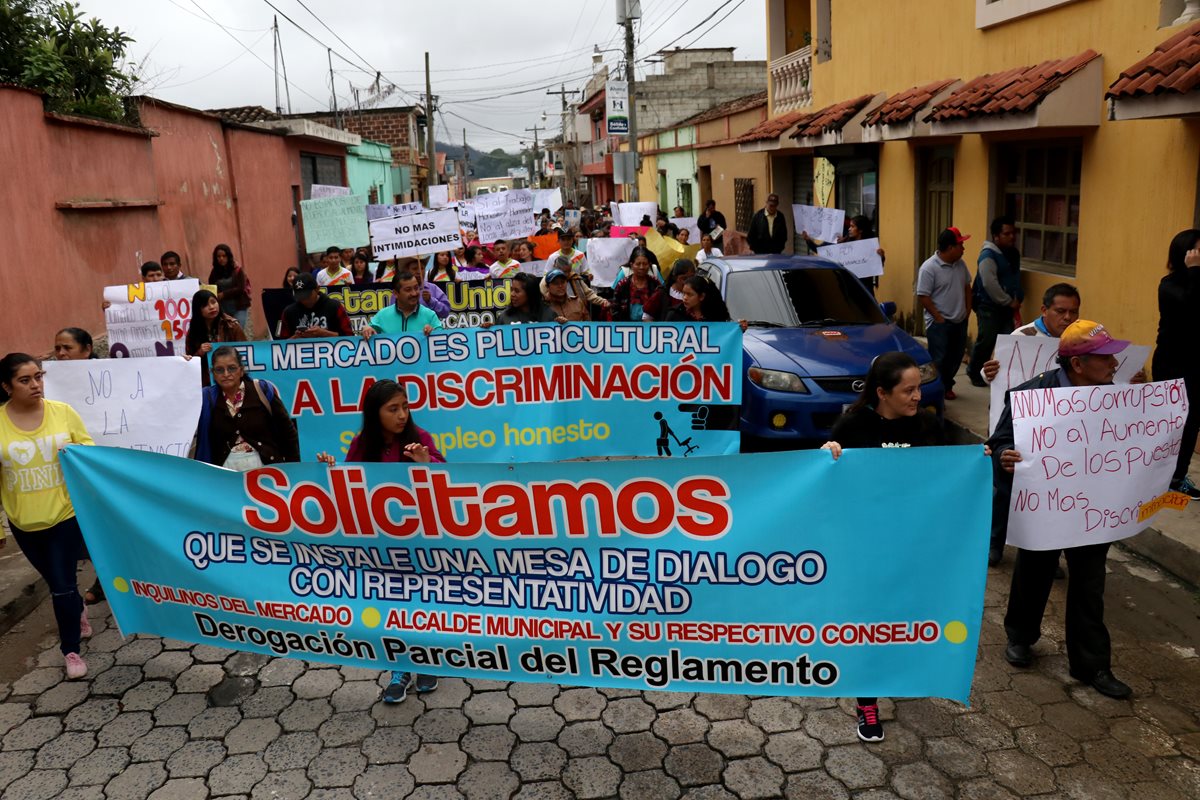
{"x": 693, "y": 29}
{"x": 369, "y": 70}
{"x": 714, "y": 25}
{"x": 517, "y": 136}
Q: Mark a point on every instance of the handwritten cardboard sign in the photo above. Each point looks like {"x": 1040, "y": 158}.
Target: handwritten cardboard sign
{"x": 149, "y": 319}
{"x": 136, "y": 403}
{"x": 320, "y": 190}
{"x": 860, "y": 257}
{"x": 605, "y": 257}
{"x": 1092, "y": 458}
{"x": 573, "y": 217}
{"x": 399, "y": 209}
{"x": 334, "y": 222}
{"x": 822, "y": 224}
{"x": 504, "y": 215}
{"x": 414, "y": 234}
{"x": 632, "y": 213}
{"x": 1022, "y": 358}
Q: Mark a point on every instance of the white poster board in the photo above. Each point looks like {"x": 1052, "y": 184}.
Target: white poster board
{"x": 148, "y": 404}
{"x": 504, "y": 215}
{"x": 1094, "y": 460}
{"x": 860, "y": 257}
{"x": 439, "y": 195}
{"x": 535, "y": 267}
{"x": 547, "y": 198}
{"x": 573, "y": 217}
{"x": 1022, "y": 358}
{"x": 320, "y": 190}
{"x": 466, "y": 214}
{"x": 149, "y": 319}
{"x": 415, "y": 234}
{"x": 822, "y": 224}
{"x": 632, "y": 213}
{"x": 688, "y": 223}
{"x": 396, "y": 210}
{"x": 605, "y": 258}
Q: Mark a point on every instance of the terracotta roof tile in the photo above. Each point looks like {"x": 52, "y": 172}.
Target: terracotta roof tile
{"x": 773, "y": 128}
{"x": 903, "y": 106}
{"x": 831, "y": 118}
{"x": 1174, "y": 66}
{"x": 729, "y": 108}
{"x": 1019, "y": 89}
{"x": 245, "y": 114}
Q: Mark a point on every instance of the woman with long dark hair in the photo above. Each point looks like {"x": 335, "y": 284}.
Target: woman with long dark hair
{"x": 634, "y": 292}
{"x": 34, "y": 494}
{"x": 233, "y": 289}
{"x": 389, "y": 435}
{"x": 525, "y": 303}
{"x": 74, "y": 344}
{"x": 441, "y": 268}
{"x": 289, "y": 278}
{"x": 887, "y": 414}
{"x": 701, "y": 302}
{"x": 360, "y": 268}
{"x": 210, "y": 325}
{"x": 670, "y": 296}
{"x": 1175, "y": 353}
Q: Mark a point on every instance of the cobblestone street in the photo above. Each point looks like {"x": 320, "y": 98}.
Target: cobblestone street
{"x": 164, "y": 719}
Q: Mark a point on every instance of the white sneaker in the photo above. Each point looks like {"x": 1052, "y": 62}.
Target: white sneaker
{"x": 76, "y": 666}
{"x": 85, "y": 625}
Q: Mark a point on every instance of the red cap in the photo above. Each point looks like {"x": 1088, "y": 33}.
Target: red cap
{"x": 959, "y": 235}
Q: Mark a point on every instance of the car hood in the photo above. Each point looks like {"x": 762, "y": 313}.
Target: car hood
{"x": 840, "y": 350}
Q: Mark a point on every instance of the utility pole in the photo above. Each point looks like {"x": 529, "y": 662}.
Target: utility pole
{"x": 466, "y": 161}
{"x": 537, "y": 175}
{"x": 337, "y": 123}
{"x": 430, "y": 150}
{"x": 275, "y": 40}
{"x": 630, "y": 6}
{"x": 569, "y": 155}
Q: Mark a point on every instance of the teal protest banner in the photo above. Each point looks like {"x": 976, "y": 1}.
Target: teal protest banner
{"x": 769, "y": 574}
{"x": 523, "y": 392}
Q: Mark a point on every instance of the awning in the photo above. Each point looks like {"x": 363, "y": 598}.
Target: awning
{"x": 898, "y": 117}
{"x": 768, "y": 134}
{"x": 1164, "y": 83}
{"x": 1060, "y": 93}
{"x": 840, "y": 123}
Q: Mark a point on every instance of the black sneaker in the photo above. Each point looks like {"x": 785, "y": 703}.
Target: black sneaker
{"x": 870, "y": 729}
{"x": 426, "y": 683}
{"x": 977, "y": 381}
{"x": 995, "y": 556}
{"x": 1186, "y": 486}
{"x": 397, "y": 689}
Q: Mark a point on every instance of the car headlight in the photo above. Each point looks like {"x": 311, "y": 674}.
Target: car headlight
{"x": 928, "y": 372}
{"x": 777, "y": 381}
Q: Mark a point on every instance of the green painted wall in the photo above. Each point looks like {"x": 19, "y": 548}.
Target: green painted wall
{"x": 682, "y": 185}
{"x": 369, "y": 166}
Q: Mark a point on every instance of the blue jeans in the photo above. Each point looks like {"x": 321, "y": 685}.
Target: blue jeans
{"x": 54, "y": 553}
{"x": 947, "y": 344}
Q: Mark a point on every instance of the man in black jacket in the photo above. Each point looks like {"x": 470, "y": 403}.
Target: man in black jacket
{"x": 1086, "y": 357}
{"x": 709, "y": 221}
{"x": 768, "y": 230}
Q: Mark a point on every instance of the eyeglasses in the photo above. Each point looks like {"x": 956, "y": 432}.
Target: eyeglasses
{"x": 226, "y": 370}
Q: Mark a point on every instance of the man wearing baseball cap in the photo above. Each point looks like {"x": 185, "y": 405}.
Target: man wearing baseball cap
{"x": 314, "y": 313}
{"x": 1086, "y": 357}
{"x": 944, "y": 291}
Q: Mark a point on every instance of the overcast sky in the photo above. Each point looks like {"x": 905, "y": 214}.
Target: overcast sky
{"x": 490, "y": 58}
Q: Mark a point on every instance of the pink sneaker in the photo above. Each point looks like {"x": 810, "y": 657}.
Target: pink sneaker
{"x": 76, "y": 666}
{"x": 85, "y": 625}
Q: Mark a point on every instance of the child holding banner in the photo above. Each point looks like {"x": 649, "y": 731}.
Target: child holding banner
{"x": 389, "y": 435}
{"x": 34, "y": 494}
{"x": 886, "y": 414}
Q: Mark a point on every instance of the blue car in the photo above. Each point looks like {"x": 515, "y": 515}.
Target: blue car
{"x": 813, "y": 331}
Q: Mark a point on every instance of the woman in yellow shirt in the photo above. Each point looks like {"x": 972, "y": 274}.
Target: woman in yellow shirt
{"x": 34, "y": 494}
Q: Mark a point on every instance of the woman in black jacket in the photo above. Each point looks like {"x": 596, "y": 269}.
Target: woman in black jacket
{"x": 1175, "y": 353}
{"x": 244, "y": 424}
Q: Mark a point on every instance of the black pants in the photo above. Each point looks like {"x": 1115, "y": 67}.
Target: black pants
{"x": 54, "y": 553}
{"x": 1191, "y": 427}
{"x": 1089, "y": 648}
{"x": 947, "y": 342}
{"x": 993, "y": 321}
{"x": 1001, "y": 496}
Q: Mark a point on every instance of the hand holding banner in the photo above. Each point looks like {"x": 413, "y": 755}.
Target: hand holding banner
{"x": 820, "y": 223}
{"x": 1092, "y": 458}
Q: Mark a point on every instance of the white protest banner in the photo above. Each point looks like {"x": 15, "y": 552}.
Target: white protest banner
{"x": 572, "y": 216}
{"x": 1096, "y": 461}
{"x": 1022, "y": 358}
{"x": 860, "y": 257}
{"x": 605, "y": 258}
{"x": 415, "y": 234}
{"x": 547, "y": 198}
{"x": 398, "y": 210}
{"x": 439, "y": 195}
{"x": 822, "y": 224}
{"x": 320, "y": 190}
{"x": 616, "y": 111}
{"x": 334, "y": 222}
{"x": 149, "y": 319}
{"x": 535, "y": 267}
{"x": 504, "y": 215}
{"x": 136, "y": 403}
{"x": 632, "y": 213}
{"x": 688, "y": 223}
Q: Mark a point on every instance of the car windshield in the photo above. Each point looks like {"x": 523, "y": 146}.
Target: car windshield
{"x": 797, "y": 297}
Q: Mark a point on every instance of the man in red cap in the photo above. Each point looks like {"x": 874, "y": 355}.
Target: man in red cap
{"x": 944, "y": 290}
{"x": 1086, "y": 357}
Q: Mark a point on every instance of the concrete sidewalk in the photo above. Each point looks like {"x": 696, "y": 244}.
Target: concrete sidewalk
{"x": 1173, "y": 542}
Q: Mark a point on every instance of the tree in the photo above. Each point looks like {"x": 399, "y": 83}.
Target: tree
{"x": 47, "y": 45}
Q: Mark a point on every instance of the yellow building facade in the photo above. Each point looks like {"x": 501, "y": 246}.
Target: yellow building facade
{"x": 1097, "y": 197}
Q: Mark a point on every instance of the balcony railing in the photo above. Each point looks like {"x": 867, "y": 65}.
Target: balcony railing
{"x": 593, "y": 152}
{"x": 790, "y": 81}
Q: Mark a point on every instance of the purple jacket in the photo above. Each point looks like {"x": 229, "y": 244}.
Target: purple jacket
{"x": 438, "y": 303}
